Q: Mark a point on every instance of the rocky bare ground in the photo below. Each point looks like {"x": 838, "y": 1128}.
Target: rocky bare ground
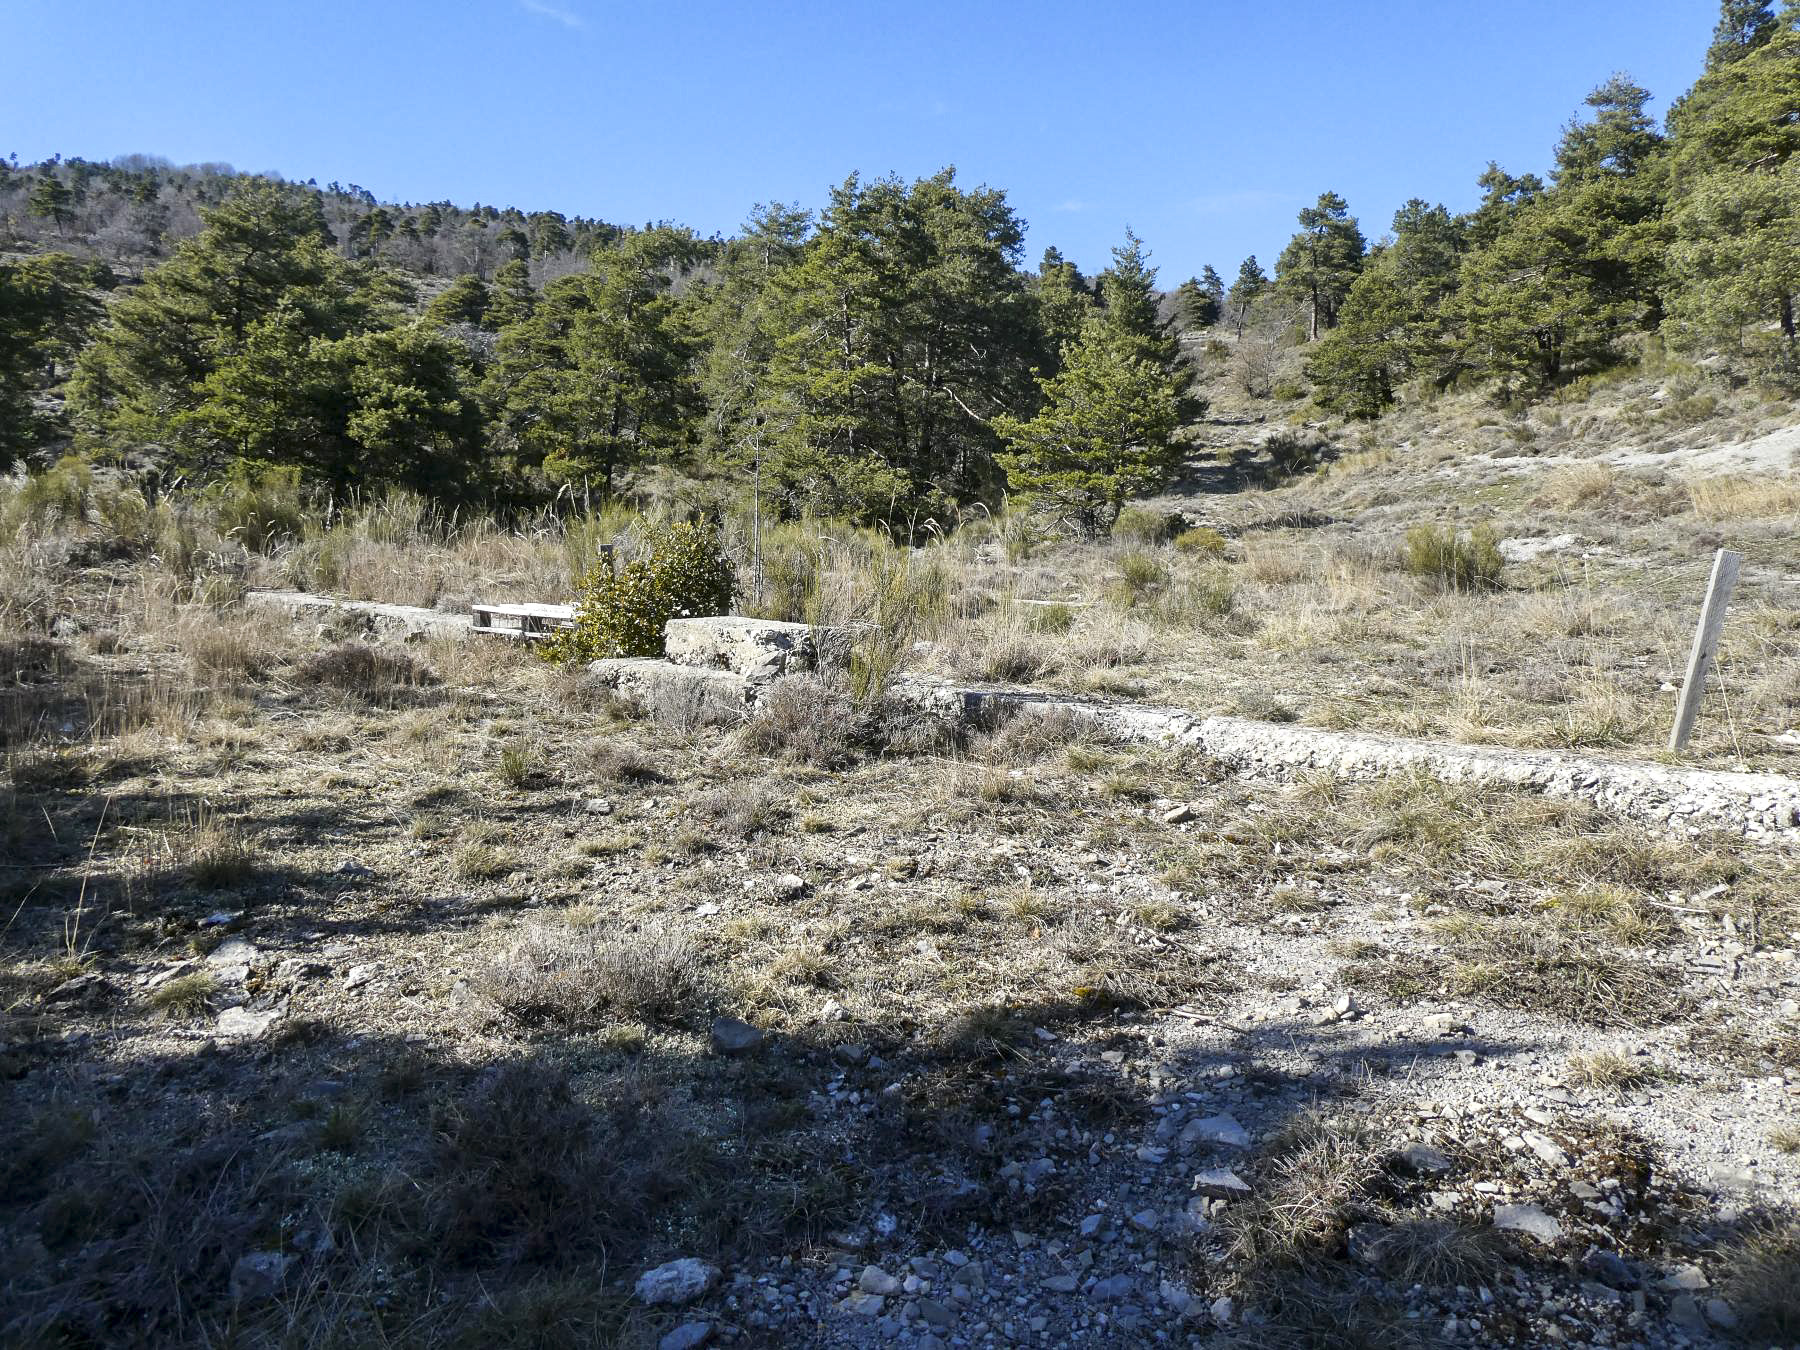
{"x": 393, "y": 976}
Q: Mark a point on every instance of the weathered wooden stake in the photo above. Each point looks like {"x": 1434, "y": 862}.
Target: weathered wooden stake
{"x": 1706, "y": 644}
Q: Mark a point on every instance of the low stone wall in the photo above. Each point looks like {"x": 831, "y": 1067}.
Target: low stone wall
{"x": 1761, "y": 806}
{"x": 405, "y": 621}
{"x": 717, "y": 669}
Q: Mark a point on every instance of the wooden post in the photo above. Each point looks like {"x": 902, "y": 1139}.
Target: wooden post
{"x": 1706, "y": 644}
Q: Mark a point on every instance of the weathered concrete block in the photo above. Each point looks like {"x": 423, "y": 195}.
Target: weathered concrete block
{"x": 408, "y": 621}
{"x": 683, "y": 696}
{"x": 758, "y": 649}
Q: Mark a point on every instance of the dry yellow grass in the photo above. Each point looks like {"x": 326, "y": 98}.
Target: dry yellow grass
{"x": 1744, "y": 497}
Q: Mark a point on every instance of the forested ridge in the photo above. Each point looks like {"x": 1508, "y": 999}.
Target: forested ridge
{"x": 888, "y": 357}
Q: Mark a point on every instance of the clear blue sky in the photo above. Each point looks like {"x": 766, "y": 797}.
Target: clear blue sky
{"x": 1204, "y": 125}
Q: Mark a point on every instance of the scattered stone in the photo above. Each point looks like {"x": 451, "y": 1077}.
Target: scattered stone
{"x": 1221, "y": 1183}
{"x": 1216, "y": 1130}
{"x": 1423, "y": 1158}
{"x": 1527, "y": 1219}
{"x": 788, "y": 886}
{"x": 299, "y": 968}
{"x": 257, "y": 1277}
{"x": 174, "y": 972}
{"x": 680, "y": 1281}
{"x": 936, "y": 1313}
{"x": 233, "y": 951}
{"x": 1179, "y": 815}
{"x": 599, "y": 806}
{"x": 1146, "y": 1219}
{"x": 1609, "y": 1268}
{"x": 355, "y": 871}
{"x": 1061, "y": 1284}
{"x": 1223, "y": 1310}
{"x": 1113, "y": 1288}
{"x": 731, "y": 1036}
{"x": 1686, "y": 1279}
{"x": 358, "y": 976}
{"x": 82, "y": 989}
{"x": 687, "y": 1336}
{"x": 1719, "y": 1313}
{"x": 1545, "y": 1147}
{"x": 242, "y": 1024}
{"x": 875, "y": 1280}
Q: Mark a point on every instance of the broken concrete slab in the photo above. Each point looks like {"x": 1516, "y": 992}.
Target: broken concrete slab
{"x": 758, "y": 649}
{"x": 406, "y": 621}
{"x": 682, "y": 696}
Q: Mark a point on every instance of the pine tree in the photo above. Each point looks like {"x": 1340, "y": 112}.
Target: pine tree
{"x": 54, "y": 200}
{"x": 1394, "y": 322}
{"x": 903, "y": 328}
{"x": 1105, "y": 433}
{"x": 1251, "y": 285}
{"x": 1064, "y": 302}
{"x": 1320, "y": 262}
{"x": 143, "y": 379}
{"x": 1744, "y": 25}
{"x": 463, "y": 301}
{"x": 598, "y": 381}
{"x": 46, "y": 312}
{"x": 1196, "y": 304}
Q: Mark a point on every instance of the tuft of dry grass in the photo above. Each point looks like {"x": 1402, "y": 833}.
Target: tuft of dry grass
{"x": 1762, "y": 1271}
{"x": 1527, "y": 964}
{"x": 1610, "y": 1071}
{"x": 584, "y": 978}
{"x": 184, "y": 996}
{"x": 216, "y": 854}
{"x": 808, "y": 719}
{"x": 373, "y": 674}
{"x": 1744, "y": 497}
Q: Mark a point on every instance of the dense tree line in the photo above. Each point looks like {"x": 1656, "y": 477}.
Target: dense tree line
{"x": 889, "y": 357}
{"x": 1691, "y": 230}
{"x": 864, "y": 362}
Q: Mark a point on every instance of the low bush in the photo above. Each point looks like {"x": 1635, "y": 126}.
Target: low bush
{"x": 1453, "y": 562}
{"x": 684, "y": 574}
{"x": 1293, "y": 452}
{"x": 260, "y": 506}
{"x": 1140, "y": 573}
{"x": 1201, "y": 542}
{"x": 1138, "y": 526}
{"x": 373, "y": 674}
{"x": 578, "y": 980}
{"x": 805, "y": 718}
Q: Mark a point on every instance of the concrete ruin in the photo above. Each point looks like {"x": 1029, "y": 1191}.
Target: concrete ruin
{"x": 716, "y": 669}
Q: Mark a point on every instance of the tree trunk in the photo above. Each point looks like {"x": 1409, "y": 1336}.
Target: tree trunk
{"x": 1787, "y": 317}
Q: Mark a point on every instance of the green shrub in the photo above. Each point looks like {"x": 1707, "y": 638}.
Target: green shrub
{"x": 57, "y": 496}
{"x": 1453, "y": 562}
{"x": 1139, "y": 573}
{"x": 1201, "y": 542}
{"x": 1057, "y": 618}
{"x": 1145, "y": 527}
{"x": 1292, "y": 452}
{"x": 791, "y": 559}
{"x": 1288, "y": 390}
{"x": 684, "y": 574}
{"x": 259, "y": 505}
